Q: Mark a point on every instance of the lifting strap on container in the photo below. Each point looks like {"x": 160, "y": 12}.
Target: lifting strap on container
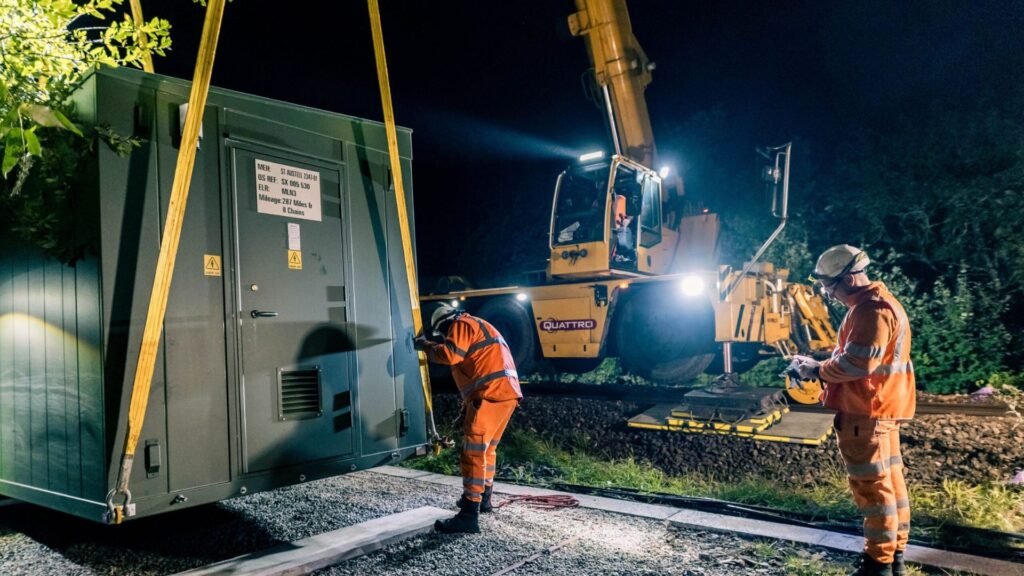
{"x": 143, "y": 40}
{"x": 403, "y": 214}
{"x": 119, "y": 500}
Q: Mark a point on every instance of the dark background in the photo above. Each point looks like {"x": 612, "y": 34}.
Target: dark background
{"x": 493, "y": 93}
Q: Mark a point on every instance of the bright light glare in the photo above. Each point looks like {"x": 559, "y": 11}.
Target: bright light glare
{"x": 692, "y": 286}
{"x": 521, "y": 297}
{"x": 592, "y": 156}
{"x": 455, "y": 303}
{"x": 665, "y": 171}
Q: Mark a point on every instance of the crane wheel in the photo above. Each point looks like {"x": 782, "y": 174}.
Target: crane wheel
{"x": 680, "y": 369}
{"x": 512, "y": 320}
{"x": 665, "y": 338}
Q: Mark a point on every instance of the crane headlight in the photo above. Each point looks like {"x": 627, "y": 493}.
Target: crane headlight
{"x": 596, "y": 155}
{"x": 691, "y": 286}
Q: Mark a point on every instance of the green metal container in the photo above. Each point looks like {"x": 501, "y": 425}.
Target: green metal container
{"x": 286, "y": 354}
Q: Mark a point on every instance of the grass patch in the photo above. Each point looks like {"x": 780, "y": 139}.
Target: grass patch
{"x": 937, "y": 511}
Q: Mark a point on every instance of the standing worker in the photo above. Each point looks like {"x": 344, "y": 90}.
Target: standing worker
{"x": 869, "y": 381}
{"x": 485, "y": 374}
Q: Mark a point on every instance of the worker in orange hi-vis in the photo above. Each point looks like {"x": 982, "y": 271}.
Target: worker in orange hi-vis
{"x": 486, "y": 377}
{"x": 869, "y": 381}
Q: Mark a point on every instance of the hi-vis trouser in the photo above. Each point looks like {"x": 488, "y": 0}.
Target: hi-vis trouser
{"x": 871, "y": 449}
{"x": 484, "y": 425}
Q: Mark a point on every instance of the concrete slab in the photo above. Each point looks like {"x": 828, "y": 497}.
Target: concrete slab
{"x": 844, "y": 542}
{"x": 400, "y": 472}
{"x": 653, "y": 511}
{"x": 963, "y": 562}
{"x": 311, "y": 554}
{"x": 440, "y": 479}
{"x": 626, "y": 507}
{"x": 720, "y": 522}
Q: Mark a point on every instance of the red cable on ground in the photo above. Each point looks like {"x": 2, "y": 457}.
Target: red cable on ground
{"x": 552, "y": 502}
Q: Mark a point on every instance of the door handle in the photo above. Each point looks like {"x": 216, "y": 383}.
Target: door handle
{"x": 263, "y": 314}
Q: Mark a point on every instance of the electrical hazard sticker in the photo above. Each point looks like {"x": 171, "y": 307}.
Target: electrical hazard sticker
{"x": 294, "y": 260}
{"x": 211, "y": 265}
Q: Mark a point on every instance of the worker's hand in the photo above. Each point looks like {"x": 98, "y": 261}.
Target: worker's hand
{"x": 807, "y": 368}
{"x": 419, "y": 343}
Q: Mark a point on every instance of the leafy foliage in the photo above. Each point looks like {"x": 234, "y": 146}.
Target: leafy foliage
{"x": 46, "y": 48}
{"x": 959, "y": 336}
{"x": 937, "y": 198}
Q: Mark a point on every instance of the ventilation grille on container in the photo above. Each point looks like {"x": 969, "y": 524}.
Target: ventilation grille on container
{"x": 298, "y": 393}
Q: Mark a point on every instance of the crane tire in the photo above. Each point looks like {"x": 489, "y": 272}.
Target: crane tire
{"x": 664, "y": 339}
{"x": 680, "y": 369}
{"x": 512, "y": 320}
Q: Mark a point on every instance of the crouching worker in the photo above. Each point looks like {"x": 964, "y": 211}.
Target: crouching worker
{"x": 486, "y": 377}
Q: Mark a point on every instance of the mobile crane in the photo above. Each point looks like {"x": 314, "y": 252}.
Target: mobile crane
{"x": 630, "y": 276}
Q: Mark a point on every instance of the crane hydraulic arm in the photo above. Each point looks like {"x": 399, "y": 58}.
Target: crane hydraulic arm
{"x": 622, "y": 71}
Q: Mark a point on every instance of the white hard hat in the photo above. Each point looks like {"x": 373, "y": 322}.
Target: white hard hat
{"x": 838, "y": 261}
{"x": 441, "y": 314}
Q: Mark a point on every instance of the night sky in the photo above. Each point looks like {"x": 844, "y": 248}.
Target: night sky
{"x": 493, "y": 90}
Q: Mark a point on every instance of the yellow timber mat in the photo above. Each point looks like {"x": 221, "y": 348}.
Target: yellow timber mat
{"x": 780, "y": 425}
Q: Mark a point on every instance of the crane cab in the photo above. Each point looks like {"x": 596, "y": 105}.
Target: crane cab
{"x": 606, "y": 220}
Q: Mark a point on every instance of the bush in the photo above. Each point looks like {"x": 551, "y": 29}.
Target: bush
{"x": 959, "y": 338}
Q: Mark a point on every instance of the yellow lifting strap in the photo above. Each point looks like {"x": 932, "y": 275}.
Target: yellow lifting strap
{"x": 119, "y": 504}
{"x": 147, "y": 56}
{"x": 400, "y": 206}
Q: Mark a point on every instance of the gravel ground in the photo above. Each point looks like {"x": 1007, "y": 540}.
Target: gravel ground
{"x": 37, "y": 542}
{"x": 935, "y": 448}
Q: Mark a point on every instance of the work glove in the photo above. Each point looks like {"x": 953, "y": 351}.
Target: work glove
{"x": 419, "y": 343}
{"x": 807, "y": 367}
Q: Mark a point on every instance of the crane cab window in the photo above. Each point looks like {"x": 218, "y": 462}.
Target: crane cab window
{"x": 650, "y": 212}
{"x": 580, "y": 206}
{"x": 636, "y": 214}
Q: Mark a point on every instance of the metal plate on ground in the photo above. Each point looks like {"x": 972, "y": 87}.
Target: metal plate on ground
{"x": 800, "y": 427}
{"x": 793, "y": 427}
{"x": 654, "y": 418}
{"x": 683, "y": 418}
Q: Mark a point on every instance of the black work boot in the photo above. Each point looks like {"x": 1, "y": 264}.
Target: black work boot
{"x": 485, "y": 503}
{"x": 868, "y": 566}
{"x": 898, "y": 567}
{"x": 467, "y": 520}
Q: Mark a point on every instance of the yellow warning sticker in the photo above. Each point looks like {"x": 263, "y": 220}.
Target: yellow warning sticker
{"x": 294, "y": 260}
{"x": 211, "y": 265}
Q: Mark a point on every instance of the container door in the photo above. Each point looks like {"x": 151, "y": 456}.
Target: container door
{"x": 295, "y": 356}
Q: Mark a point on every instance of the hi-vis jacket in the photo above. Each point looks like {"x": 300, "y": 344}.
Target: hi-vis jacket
{"x": 870, "y": 372}
{"x": 481, "y": 362}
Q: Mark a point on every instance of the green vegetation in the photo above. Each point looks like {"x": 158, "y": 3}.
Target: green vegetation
{"x": 48, "y": 47}
{"x": 526, "y": 459}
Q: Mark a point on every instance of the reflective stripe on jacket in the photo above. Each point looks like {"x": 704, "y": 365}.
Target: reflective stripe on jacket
{"x": 481, "y": 362}
{"x": 870, "y": 372}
